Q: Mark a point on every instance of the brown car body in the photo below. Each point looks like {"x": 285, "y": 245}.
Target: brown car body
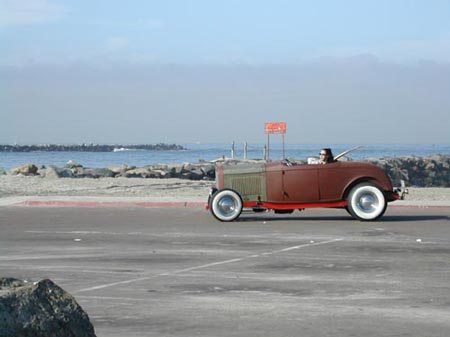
{"x": 281, "y": 185}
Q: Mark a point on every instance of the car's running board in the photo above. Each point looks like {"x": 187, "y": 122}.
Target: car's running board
{"x": 274, "y": 205}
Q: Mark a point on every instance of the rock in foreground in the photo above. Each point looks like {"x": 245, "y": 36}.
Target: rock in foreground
{"x": 40, "y": 309}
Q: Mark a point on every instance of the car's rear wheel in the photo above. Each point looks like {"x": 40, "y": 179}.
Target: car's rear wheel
{"x": 226, "y": 205}
{"x": 366, "y": 202}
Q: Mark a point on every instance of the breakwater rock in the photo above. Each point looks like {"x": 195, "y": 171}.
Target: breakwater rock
{"x": 89, "y": 147}
{"x": 199, "y": 171}
{"x": 432, "y": 171}
{"x": 40, "y": 309}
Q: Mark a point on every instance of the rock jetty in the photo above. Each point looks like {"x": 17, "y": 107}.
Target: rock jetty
{"x": 199, "y": 171}
{"x": 89, "y": 147}
{"x": 40, "y": 309}
{"x": 432, "y": 171}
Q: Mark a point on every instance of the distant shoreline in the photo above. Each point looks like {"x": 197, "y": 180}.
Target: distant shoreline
{"x": 89, "y": 147}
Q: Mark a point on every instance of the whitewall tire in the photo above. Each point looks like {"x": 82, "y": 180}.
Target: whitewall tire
{"x": 366, "y": 202}
{"x": 226, "y": 205}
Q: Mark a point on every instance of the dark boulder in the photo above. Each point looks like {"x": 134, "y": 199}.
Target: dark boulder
{"x": 40, "y": 309}
{"x": 93, "y": 173}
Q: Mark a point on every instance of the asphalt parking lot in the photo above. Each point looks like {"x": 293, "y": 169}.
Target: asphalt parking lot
{"x": 179, "y": 272}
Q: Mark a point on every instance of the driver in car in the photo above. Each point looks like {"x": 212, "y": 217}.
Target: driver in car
{"x": 326, "y": 156}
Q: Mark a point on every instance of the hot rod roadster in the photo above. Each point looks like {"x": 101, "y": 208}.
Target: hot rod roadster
{"x": 363, "y": 189}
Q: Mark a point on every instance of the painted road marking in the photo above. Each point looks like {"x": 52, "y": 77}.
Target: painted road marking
{"x": 204, "y": 266}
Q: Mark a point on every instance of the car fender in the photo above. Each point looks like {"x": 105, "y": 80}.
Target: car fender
{"x": 384, "y": 184}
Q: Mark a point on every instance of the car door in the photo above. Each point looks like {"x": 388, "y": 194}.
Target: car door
{"x": 300, "y": 183}
{"x": 333, "y": 178}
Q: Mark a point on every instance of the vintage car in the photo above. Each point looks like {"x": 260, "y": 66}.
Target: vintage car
{"x": 361, "y": 188}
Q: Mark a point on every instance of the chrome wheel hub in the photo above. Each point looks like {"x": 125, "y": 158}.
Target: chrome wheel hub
{"x": 367, "y": 203}
{"x": 227, "y": 205}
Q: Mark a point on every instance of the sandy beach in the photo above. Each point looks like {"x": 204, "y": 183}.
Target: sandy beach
{"x": 15, "y": 189}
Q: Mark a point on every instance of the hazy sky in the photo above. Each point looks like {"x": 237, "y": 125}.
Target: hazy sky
{"x": 337, "y": 71}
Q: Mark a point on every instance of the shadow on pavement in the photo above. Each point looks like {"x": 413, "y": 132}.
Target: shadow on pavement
{"x": 343, "y": 218}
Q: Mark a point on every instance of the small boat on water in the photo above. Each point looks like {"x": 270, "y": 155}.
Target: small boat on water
{"x": 121, "y": 149}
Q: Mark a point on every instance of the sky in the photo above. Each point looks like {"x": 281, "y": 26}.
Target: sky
{"x": 336, "y": 71}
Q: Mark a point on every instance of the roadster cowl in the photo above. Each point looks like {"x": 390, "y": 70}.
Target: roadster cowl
{"x": 363, "y": 189}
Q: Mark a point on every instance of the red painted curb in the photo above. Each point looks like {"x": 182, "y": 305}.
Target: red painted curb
{"x": 68, "y": 203}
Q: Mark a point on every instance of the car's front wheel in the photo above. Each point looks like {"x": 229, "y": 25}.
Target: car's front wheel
{"x": 226, "y": 205}
{"x": 366, "y": 202}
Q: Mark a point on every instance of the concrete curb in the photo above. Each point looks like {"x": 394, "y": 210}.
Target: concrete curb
{"x": 419, "y": 207}
{"x": 68, "y": 203}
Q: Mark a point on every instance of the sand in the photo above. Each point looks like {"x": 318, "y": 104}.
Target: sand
{"x": 151, "y": 189}
{"x": 154, "y": 189}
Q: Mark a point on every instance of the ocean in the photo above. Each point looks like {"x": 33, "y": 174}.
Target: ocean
{"x": 198, "y": 152}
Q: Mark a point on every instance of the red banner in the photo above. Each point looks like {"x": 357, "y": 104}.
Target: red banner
{"x": 275, "y": 127}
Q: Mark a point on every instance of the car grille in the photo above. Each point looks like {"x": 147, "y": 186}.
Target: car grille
{"x": 249, "y": 186}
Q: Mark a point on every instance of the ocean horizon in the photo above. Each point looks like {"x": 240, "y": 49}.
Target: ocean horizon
{"x": 196, "y": 152}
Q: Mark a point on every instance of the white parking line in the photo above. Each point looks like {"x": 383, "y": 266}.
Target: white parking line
{"x": 213, "y": 264}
